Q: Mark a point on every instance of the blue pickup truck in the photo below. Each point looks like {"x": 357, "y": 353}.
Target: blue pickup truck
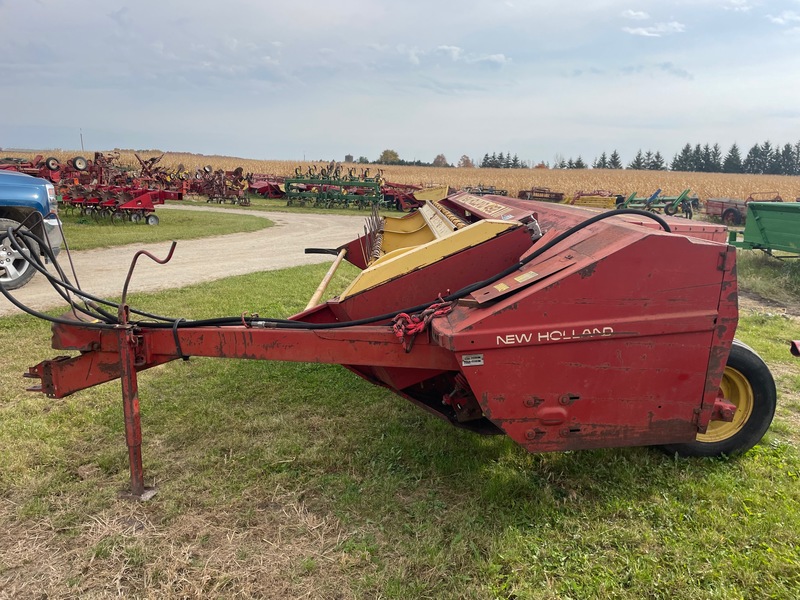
{"x": 29, "y": 201}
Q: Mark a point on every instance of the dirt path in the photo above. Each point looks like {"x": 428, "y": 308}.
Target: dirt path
{"x": 102, "y": 272}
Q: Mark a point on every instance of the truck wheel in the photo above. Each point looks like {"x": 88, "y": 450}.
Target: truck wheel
{"x": 15, "y": 270}
{"x": 731, "y": 217}
{"x": 52, "y": 163}
{"x": 748, "y": 384}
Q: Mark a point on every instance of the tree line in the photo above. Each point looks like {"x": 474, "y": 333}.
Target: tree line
{"x": 763, "y": 158}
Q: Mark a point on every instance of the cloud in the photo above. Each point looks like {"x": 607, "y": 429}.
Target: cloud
{"x": 412, "y": 54}
{"x": 787, "y": 17}
{"x": 667, "y": 68}
{"x": 454, "y": 51}
{"x": 496, "y": 59}
{"x": 457, "y": 54}
{"x": 635, "y": 15}
{"x": 671, "y": 69}
{"x": 657, "y": 30}
{"x": 121, "y": 17}
{"x": 738, "y": 5}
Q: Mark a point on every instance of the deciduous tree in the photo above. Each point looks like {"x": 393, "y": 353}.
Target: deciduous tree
{"x": 388, "y": 157}
{"x": 465, "y": 162}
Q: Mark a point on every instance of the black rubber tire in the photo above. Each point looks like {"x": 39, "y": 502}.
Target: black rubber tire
{"x": 745, "y": 362}
{"x": 670, "y": 209}
{"x": 51, "y": 163}
{"x": 152, "y": 219}
{"x": 731, "y": 216}
{"x": 80, "y": 163}
{"x": 24, "y": 270}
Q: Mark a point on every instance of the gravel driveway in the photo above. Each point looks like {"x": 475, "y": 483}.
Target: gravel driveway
{"x": 102, "y": 272}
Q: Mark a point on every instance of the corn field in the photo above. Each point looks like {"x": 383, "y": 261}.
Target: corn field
{"x": 704, "y": 185}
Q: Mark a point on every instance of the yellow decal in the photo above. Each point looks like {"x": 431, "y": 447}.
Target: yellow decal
{"x": 525, "y": 276}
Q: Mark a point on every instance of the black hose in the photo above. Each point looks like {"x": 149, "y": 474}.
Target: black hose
{"x": 37, "y": 264}
{"x": 56, "y": 283}
{"x": 465, "y": 291}
{"x": 289, "y": 324}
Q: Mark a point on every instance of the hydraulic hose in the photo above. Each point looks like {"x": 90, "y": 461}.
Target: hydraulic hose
{"x": 174, "y": 324}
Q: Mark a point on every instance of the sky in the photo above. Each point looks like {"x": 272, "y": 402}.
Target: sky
{"x": 319, "y": 79}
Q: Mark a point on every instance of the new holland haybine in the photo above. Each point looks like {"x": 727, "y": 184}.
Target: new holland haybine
{"x": 562, "y": 328}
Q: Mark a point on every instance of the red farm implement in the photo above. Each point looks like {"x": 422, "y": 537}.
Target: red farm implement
{"x": 221, "y": 186}
{"x": 267, "y": 186}
{"x": 561, "y": 328}
{"x": 733, "y": 211}
{"x": 46, "y": 168}
{"x": 116, "y": 203}
{"x": 541, "y": 193}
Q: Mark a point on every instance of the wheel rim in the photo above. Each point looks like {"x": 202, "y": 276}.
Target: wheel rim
{"x": 13, "y": 264}
{"x": 737, "y": 390}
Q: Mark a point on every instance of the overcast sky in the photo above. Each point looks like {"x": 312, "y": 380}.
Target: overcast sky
{"x": 321, "y": 79}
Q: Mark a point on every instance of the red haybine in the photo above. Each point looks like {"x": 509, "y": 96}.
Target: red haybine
{"x": 561, "y": 328}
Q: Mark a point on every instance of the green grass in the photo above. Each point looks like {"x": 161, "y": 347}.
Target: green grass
{"x": 769, "y": 277}
{"x": 85, "y": 233}
{"x": 280, "y": 480}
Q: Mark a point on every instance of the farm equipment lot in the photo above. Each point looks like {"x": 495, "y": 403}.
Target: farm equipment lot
{"x": 283, "y": 480}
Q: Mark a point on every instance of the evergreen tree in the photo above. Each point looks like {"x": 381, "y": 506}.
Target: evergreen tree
{"x": 683, "y": 160}
{"x": 657, "y": 162}
{"x": 733, "y": 161}
{"x": 600, "y": 163}
{"x": 716, "y": 159}
{"x": 515, "y": 163}
{"x": 771, "y": 158}
{"x": 648, "y": 160}
{"x": 637, "y": 164}
{"x": 614, "y": 161}
{"x": 501, "y": 161}
{"x": 485, "y": 163}
{"x": 706, "y": 165}
{"x": 787, "y": 161}
{"x": 570, "y": 163}
{"x": 753, "y": 162}
{"x": 797, "y": 158}
{"x": 579, "y": 164}
{"x": 697, "y": 158}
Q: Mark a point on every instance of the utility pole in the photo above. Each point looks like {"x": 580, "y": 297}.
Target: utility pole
{"x": 81, "y": 130}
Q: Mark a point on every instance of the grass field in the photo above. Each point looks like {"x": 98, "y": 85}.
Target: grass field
{"x": 85, "y": 233}
{"x": 280, "y": 480}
